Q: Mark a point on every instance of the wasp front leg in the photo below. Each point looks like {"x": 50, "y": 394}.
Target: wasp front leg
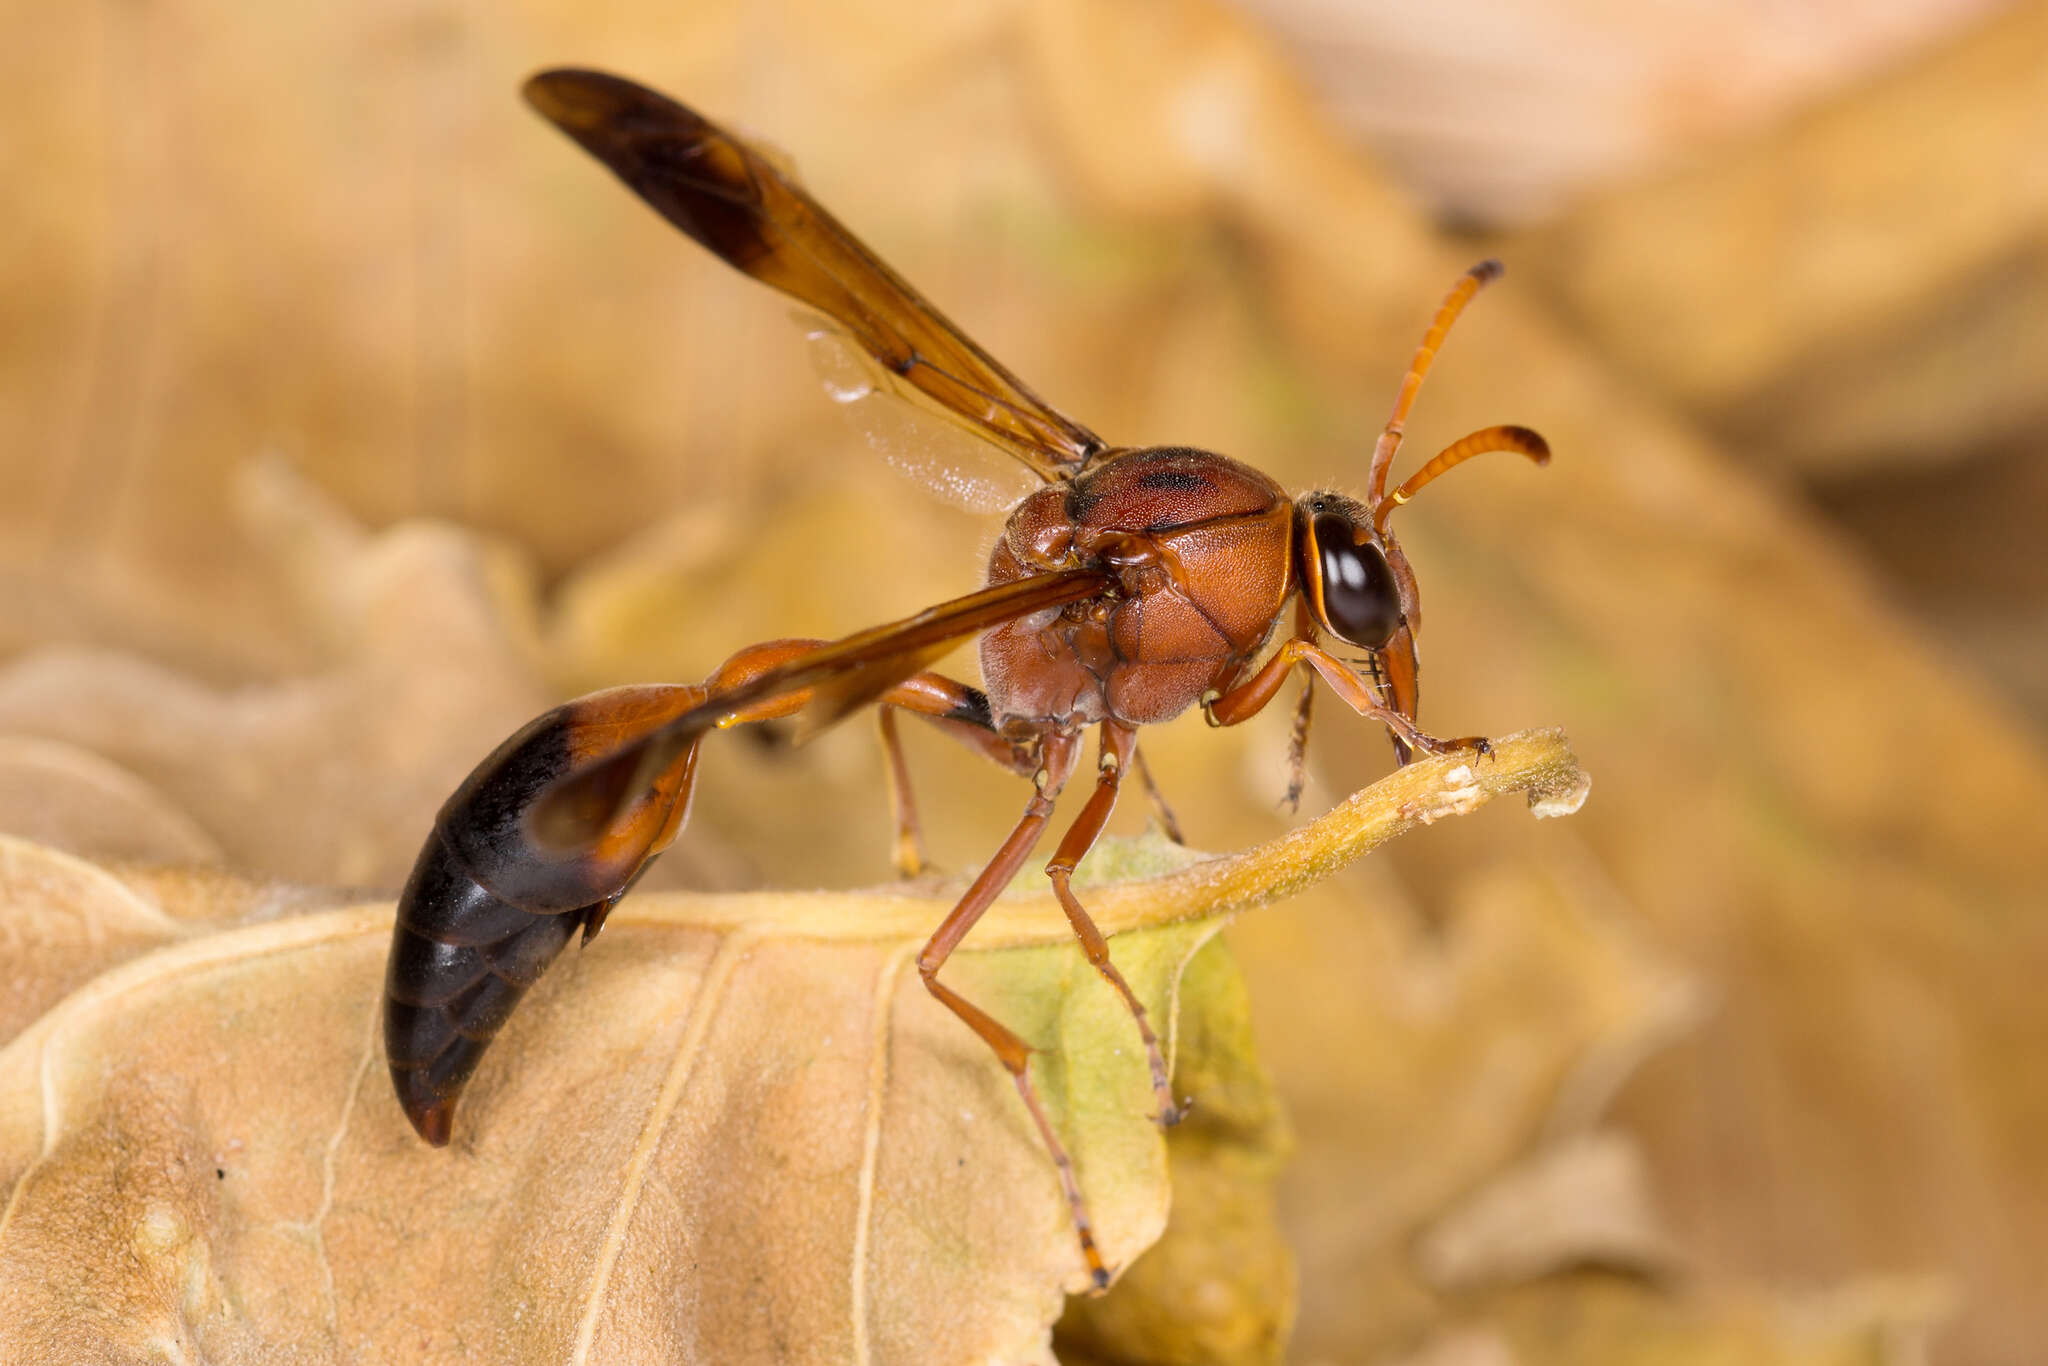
{"x": 1244, "y": 700}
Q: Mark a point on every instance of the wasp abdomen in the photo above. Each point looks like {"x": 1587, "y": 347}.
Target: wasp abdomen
{"x": 460, "y": 960}
{"x": 485, "y": 911}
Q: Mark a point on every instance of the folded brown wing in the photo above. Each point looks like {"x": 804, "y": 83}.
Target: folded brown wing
{"x": 578, "y": 809}
{"x": 729, "y": 198}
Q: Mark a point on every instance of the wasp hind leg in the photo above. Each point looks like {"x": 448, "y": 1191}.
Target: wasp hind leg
{"x": 1119, "y": 744}
{"x": 960, "y": 712}
{"x": 1056, "y": 764}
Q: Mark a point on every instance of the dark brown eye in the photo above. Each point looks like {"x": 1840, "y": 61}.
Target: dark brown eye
{"x": 1361, "y": 602}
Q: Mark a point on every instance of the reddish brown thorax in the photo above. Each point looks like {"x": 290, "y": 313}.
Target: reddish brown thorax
{"x": 1201, "y": 546}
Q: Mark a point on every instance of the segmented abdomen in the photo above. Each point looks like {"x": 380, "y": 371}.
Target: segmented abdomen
{"x": 460, "y": 960}
{"x": 485, "y": 911}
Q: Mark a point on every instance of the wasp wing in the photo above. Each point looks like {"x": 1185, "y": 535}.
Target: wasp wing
{"x": 915, "y": 439}
{"x": 577, "y": 810}
{"x": 733, "y": 201}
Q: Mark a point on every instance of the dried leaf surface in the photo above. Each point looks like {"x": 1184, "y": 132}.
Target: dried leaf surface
{"x": 328, "y": 777}
{"x": 61, "y": 795}
{"x": 1593, "y": 1319}
{"x": 1863, "y": 289}
{"x": 734, "y": 1129}
{"x": 1581, "y": 1203}
{"x": 1591, "y": 94}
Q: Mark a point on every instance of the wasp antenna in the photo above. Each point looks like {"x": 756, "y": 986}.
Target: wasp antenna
{"x": 1470, "y": 283}
{"x": 1520, "y": 440}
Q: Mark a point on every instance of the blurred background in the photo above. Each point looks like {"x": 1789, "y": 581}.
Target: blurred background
{"x": 349, "y": 416}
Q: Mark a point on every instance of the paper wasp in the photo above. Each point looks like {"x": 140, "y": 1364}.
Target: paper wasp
{"x": 1132, "y": 584}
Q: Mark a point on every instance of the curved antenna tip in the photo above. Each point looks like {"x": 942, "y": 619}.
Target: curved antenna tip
{"x": 1514, "y": 440}
{"x": 1532, "y": 443}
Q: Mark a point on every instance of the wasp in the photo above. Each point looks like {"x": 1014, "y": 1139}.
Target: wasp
{"x": 1129, "y": 585}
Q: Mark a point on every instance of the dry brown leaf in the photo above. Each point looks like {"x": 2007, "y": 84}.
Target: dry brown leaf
{"x": 329, "y": 778}
{"x": 1420, "y": 1061}
{"x": 1825, "y": 818}
{"x": 68, "y": 920}
{"x": 1581, "y": 1203}
{"x": 71, "y": 798}
{"x": 1498, "y": 110}
{"x": 1593, "y": 1320}
{"x": 735, "y": 1129}
{"x": 1863, "y": 288}
{"x": 1590, "y": 1321}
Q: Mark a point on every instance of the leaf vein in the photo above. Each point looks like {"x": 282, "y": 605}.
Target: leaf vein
{"x": 879, "y": 1031}
{"x": 318, "y": 1225}
{"x": 702, "y": 1012}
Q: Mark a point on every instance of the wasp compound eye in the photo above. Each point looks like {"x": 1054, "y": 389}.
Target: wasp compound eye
{"x": 1361, "y": 602}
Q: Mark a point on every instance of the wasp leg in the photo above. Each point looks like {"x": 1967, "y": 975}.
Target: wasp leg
{"x": 1118, "y": 745}
{"x": 1245, "y": 700}
{"x": 1056, "y": 764}
{"x": 1169, "y": 825}
{"x": 1304, "y": 712}
{"x": 954, "y": 708}
{"x": 957, "y": 710}
{"x": 907, "y": 852}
